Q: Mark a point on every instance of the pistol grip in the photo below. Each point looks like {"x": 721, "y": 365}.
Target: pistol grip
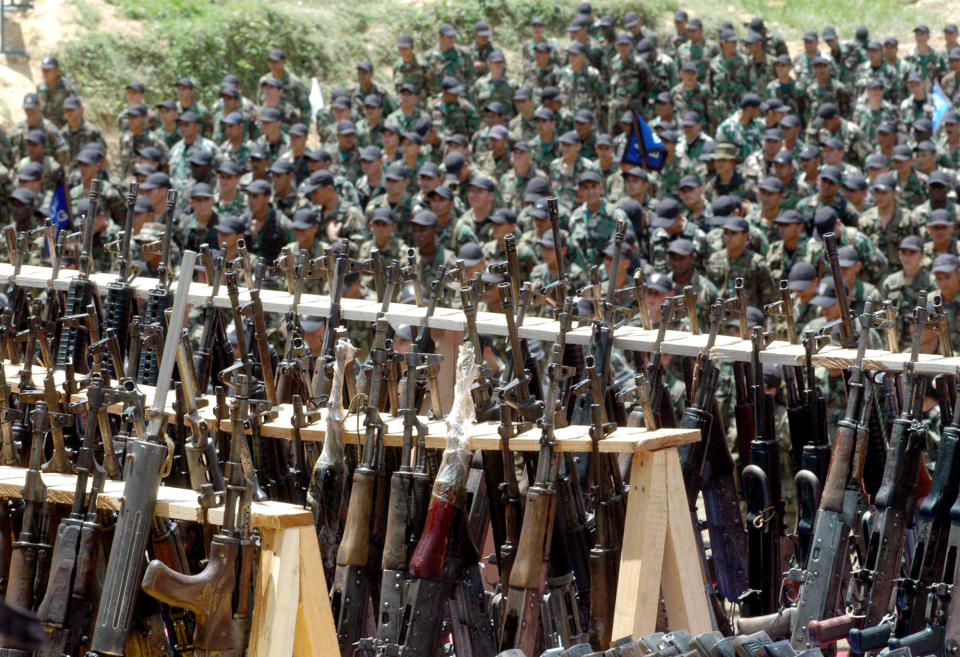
{"x": 208, "y": 594}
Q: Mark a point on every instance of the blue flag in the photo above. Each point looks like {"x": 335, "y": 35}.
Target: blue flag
{"x": 940, "y": 105}
{"x": 644, "y": 147}
{"x": 60, "y": 208}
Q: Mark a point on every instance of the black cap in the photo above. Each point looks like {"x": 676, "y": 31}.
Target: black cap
{"x": 681, "y": 246}
{"x": 831, "y": 173}
{"x": 789, "y": 217}
{"x": 667, "y": 212}
{"x": 382, "y": 214}
{"x": 945, "y": 262}
{"x": 258, "y": 187}
{"x": 201, "y": 190}
{"x": 50, "y": 62}
{"x": 848, "y": 256}
{"x": 471, "y": 254}
{"x": 828, "y": 111}
{"x": 941, "y": 217}
{"x": 155, "y": 180}
{"x": 305, "y": 218}
{"x": 659, "y": 282}
{"x": 424, "y": 218}
{"x": 911, "y": 243}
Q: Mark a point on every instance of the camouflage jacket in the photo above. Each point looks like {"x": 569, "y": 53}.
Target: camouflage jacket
{"x": 660, "y": 240}
{"x": 56, "y": 144}
{"x": 792, "y": 92}
{"x": 131, "y": 144}
{"x": 413, "y": 72}
{"x": 456, "y": 61}
{"x": 584, "y": 90}
{"x": 51, "y": 99}
{"x": 873, "y": 260}
{"x": 180, "y": 157}
{"x": 780, "y": 261}
{"x": 294, "y": 91}
{"x": 887, "y": 238}
{"x": 591, "y": 231}
{"x": 750, "y": 267}
{"x": 729, "y": 80}
{"x": 869, "y": 119}
{"x": 486, "y": 90}
{"x": 564, "y": 179}
{"x": 699, "y": 99}
{"x": 700, "y": 54}
{"x": 833, "y": 91}
{"x": 457, "y": 117}
{"x": 855, "y": 147}
{"x": 747, "y": 138}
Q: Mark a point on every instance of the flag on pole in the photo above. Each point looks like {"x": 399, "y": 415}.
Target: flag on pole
{"x": 644, "y": 147}
{"x": 316, "y": 98}
{"x": 940, "y": 105}
{"x": 60, "y": 214}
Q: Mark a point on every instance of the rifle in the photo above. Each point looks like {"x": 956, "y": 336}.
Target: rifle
{"x": 82, "y": 291}
{"x": 159, "y": 299}
{"x": 847, "y": 336}
{"x": 351, "y": 582}
{"x": 210, "y": 594}
{"x": 482, "y": 389}
{"x": 930, "y": 558}
{"x": 10, "y": 448}
{"x": 553, "y": 215}
{"x": 821, "y": 587}
{"x": 761, "y": 483}
{"x": 342, "y": 265}
{"x": 328, "y": 481}
{"x": 871, "y": 585}
{"x": 604, "y": 555}
{"x": 30, "y": 558}
{"x": 119, "y": 292}
{"x": 147, "y": 462}
{"x": 445, "y": 545}
{"x": 73, "y": 587}
{"x": 661, "y": 403}
{"x": 214, "y": 352}
{"x": 17, "y": 245}
{"x": 522, "y": 608}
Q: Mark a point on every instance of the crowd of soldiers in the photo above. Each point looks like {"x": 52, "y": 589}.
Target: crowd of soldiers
{"x": 766, "y": 151}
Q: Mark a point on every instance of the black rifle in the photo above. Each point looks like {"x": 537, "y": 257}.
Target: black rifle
{"x": 214, "y": 352}
{"x": 73, "y": 343}
{"x": 158, "y": 300}
{"x": 120, "y": 301}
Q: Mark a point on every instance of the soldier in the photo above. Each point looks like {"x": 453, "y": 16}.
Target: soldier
{"x": 230, "y": 102}
{"x": 272, "y": 94}
{"x": 945, "y": 270}
{"x": 339, "y": 218}
{"x": 592, "y": 224}
{"x": 697, "y": 49}
{"x": 826, "y": 221}
{"x": 382, "y": 227}
{"x": 904, "y": 286}
{"x": 829, "y": 123}
{"x": 295, "y": 91}
{"x": 682, "y": 256}
{"x": 448, "y": 58}
{"x": 887, "y": 223}
{"x": 523, "y": 126}
{"x": 36, "y": 151}
{"x": 450, "y": 233}
{"x": 90, "y": 166}
{"x": 790, "y": 249}
{"x": 167, "y": 131}
{"x": 669, "y": 224}
{"x": 367, "y": 87}
{"x": 763, "y": 215}
{"x": 695, "y": 142}
{"x": 187, "y": 101}
{"x": 513, "y": 183}
{"x": 743, "y": 128}
{"x": 760, "y": 64}
{"x": 456, "y": 114}
{"x": 737, "y": 260}
{"x": 199, "y": 226}
{"x": 581, "y": 83}
{"x": 938, "y": 188}
{"x": 234, "y": 147}
{"x": 494, "y": 85}
{"x": 267, "y": 229}
{"x": 629, "y": 81}
{"x": 828, "y": 184}
{"x": 663, "y": 69}
{"x": 693, "y": 96}
{"x": 875, "y": 69}
{"x": 950, "y": 83}
{"x": 726, "y": 180}
{"x": 136, "y": 138}
{"x": 77, "y": 131}
{"x": 786, "y": 88}
{"x": 759, "y": 164}
{"x": 545, "y": 146}
{"x": 228, "y": 199}
{"x": 538, "y": 28}
{"x": 424, "y": 238}
{"x": 940, "y": 227}
{"x": 565, "y": 170}
{"x": 546, "y": 273}
{"x": 504, "y": 222}
{"x": 409, "y": 113}
{"x": 33, "y": 120}
{"x": 407, "y": 68}
{"x": 273, "y": 139}
{"x": 875, "y": 110}
{"x": 395, "y": 197}
{"x": 803, "y": 63}
{"x": 189, "y": 127}
{"x": 54, "y": 90}
{"x": 543, "y": 73}
{"x": 922, "y": 58}
{"x": 729, "y": 75}
{"x": 860, "y": 291}
{"x": 135, "y": 93}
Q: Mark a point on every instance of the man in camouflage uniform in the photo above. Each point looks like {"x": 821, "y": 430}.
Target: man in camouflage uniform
{"x": 77, "y": 131}
{"x": 407, "y": 68}
{"x": 743, "y": 128}
{"x": 860, "y": 291}
{"x": 874, "y": 69}
{"x": 887, "y": 223}
{"x": 760, "y": 64}
{"x": 449, "y": 59}
{"x": 938, "y": 189}
{"x": 729, "y": 75}
{"x": 904, "y": 286}
{"x": 90, "y": 166}
{"x": 874, "y": 111}
{"x": 294, "y": 89}
{"x": 36, "y": 148}
{"x": 826, "y": 221}
{"x": 946, "y": 270}
{"x": 592, "y": 224}
{"x": 940, "y": 226}
{"x": 629, "y": 81}
{"x": 35, "y": 121}
{"x": 663, "y": 69}
{"x": 382, "y": 228}
{"x": 922, "y": 58}
{"x": 339, "y": 218}
{"x": 409, "y": 113}
{"x": 456, "y": 114}
{"x": 697, "y": 49}
{"x": 306, "y": 227}
{"x": 199, "y": 226}
{"x": 693, "y": 96}
{"x": 683, "y": 257}
{"x": 828, "y": 187}
{"x": 54, "y": 90}
{"x": 785, "y": 87}
{"x": 565, "y": 170}
{"x": 273, "y": 140}
{"x": 581, "y": 83}
{"x": 737, "y": 260}
{"x": 669, "y": 224}
{"x": 395, "y": 197}
{"x": 135, "y": 139}
{"x": 494, "y": 85}
{"x": 192, "y": 140}
{"x": 790, "y": 249}
{"x": 504, "y": 223}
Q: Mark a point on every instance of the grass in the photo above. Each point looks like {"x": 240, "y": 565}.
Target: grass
{"x": 88, "y": 16}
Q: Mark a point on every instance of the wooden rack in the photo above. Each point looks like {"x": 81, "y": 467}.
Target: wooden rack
{"x": 292, "y": 612}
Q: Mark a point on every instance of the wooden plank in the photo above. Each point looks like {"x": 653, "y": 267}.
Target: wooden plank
{"x": 277, "y": 595}
{"x": 316, "y": 633}
{"x": 176, "y": 503}
{"x": 683, "y": 583}
{"x": 641, "y": 557}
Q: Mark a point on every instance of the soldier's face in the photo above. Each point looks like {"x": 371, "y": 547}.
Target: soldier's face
{"x": 271, "y": 95}
{"x": 395, "y": 188}
{"x": 73, "y": 116}
{"x": 728, "y": 48}
{"x": 784, "y": 172}
{"x": 202, "y": 205}
{"x": 382, "y": 230}
{"x": 51, "y": 76}
{"x": 949, "y": 283}
{"x": 228, "y": 183}
{"x": 917, "y": 90}
{"x": 734, "y": 240}
{"x": 790, "y": 233}
{"x": 408, "y": 101}
{"x": 681, "y": 264}
{"x": 548, "y": 255}
{"x": 411, "y": 150}
{"x": 479, "y": 198}
{"x": 922, "y": 38}
{"x": 832, "y": 156}
{"x": 270, "y": 129}
{"x": 496, "y": 69}
{"x": 346, "y": 142}
{"x": 635, "y": 186}
{"x": 305, "y": 236}
{"x": 276, "y": 67}
{"x": 689, "y": 78}
{"x": 822, "y": 71}
{"x": 447, "y": 41}
{"x": 258, "y": 202}
{"x": 810, "y": 47}
{"x": 938, "y": 193}
{"x": 188, "y": 130}
{"x": 590, "y": 192}
{"x": 695, "y": 34}
{"x": 883, "y": 197}
{"x": 875, "y": 56}
{"x": 521, "y": 159}
{"x": 373, "y": 114}
{"x": 364, "y": 77}
{"x": 771, "y": 147}
{"x": 910, "y": 259}
{"x": 36, "y": 151}
{"x": 926, "y": 160}
{"x": 724, "y": 167}
{"x": 890, "y": 51}
{"x": 783, "y": 71}
{"x": 543, "y": 58}
{"x": 691, "y": 196}
{"x": 441, "y": 206}
{"x": 371, "y": 168}
{"x": 21, "y": 213}
{"x": 576, "y": 60}
{"x": 770, "y": 199}
{"x": 755, "y": 49}
{"x": 569, "y": 152}
{"x": 168, "y": 117}
{"x": 136, "y": 123}
{"x": 391, "y": 140}
{"x": 940, "y": 234}
{"x": 134, "y": 97}
{"x": 427, "y": 184}
{"x": 88, "y": 171}
{"x": 545, "y": 129}
{"x": 424, "y": 237}
{"x": 406, "y": 54}
{"x": 184, "y": 95}
{"x": 605, "y": 155}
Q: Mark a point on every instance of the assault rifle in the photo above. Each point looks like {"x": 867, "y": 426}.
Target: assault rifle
{"x": 120, "y": 302}
{"x": 72, "y": 346}
{"x": 214, "y": 352}
{"x": 159, "y": 299}
{"x": 146, "y": 463}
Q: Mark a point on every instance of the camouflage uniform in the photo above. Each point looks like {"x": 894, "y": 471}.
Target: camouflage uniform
{"x": 457, "y": 117}
{"x": 456, "y": 62}
{"x": 952, "y": 311}
{"x": 905, "y": 294}
{"x": 792, "y": 93}
{"x": 405, "y": 122}
{"x": 699, "y": 99}
{"x": 887, "y": 238}
{"x": 868, "y": 120}
{"x": 663, "y": 75}
{"x": 706, "y": 292}
{"x": 584, "y": 90}
{"x": 760, "y": 74}
{"x": 861, "y": 293}
{"x": 294, "y": 91}
{"x": 522, "y": 129}
{"x": 131, "y": 144}
{"x": 921, "y": 212}
{"x": 276, "y": 149}
{"x": 272, "y": 237}
{"x": 729, "y": 80}
{"x": 747, "y": 138}
{"x": 544, "y": 154}
{"x": 526, "y": 256}
{"x": 513, "y": 187}
{"x": 429, "y": 266}
{"x": 927, "y": 65}
{"x": 750, "y": 266}
{"x": 190, "y": 234}
{"x": 487, "y": 90}
{"x": 854, "y": 145}
{"x": 660, "y": 240}
{"x": 947, "y": 156}
{"x": 866, "y": 72}
{"x": 700, "y": 54}
{"x": 845, "y": 210}
{"x": 565, "y": 180}
{"x": 77, "y": 139}
{"x": 402, "y": 211}
{"x": 237, "y": 207}
{"x": 56, "y": 144}
{"x": 538, "y": 78}
{"x": 180, "y": 157}
{"x": 628, "y": 86}
{"x": 51, "y": 98}
{"x": 950, "y": 85}
{"x": 591, "y": 231}
{"x": 457, "y": 233}
{"x": 873, "y": 260}
{"x": 50, "y": 170}
{"x": 387, "y": 102}
{"x": 111, "y": 200}
{"x": 413, "y": 72}
{"x": 930, "y": 252}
